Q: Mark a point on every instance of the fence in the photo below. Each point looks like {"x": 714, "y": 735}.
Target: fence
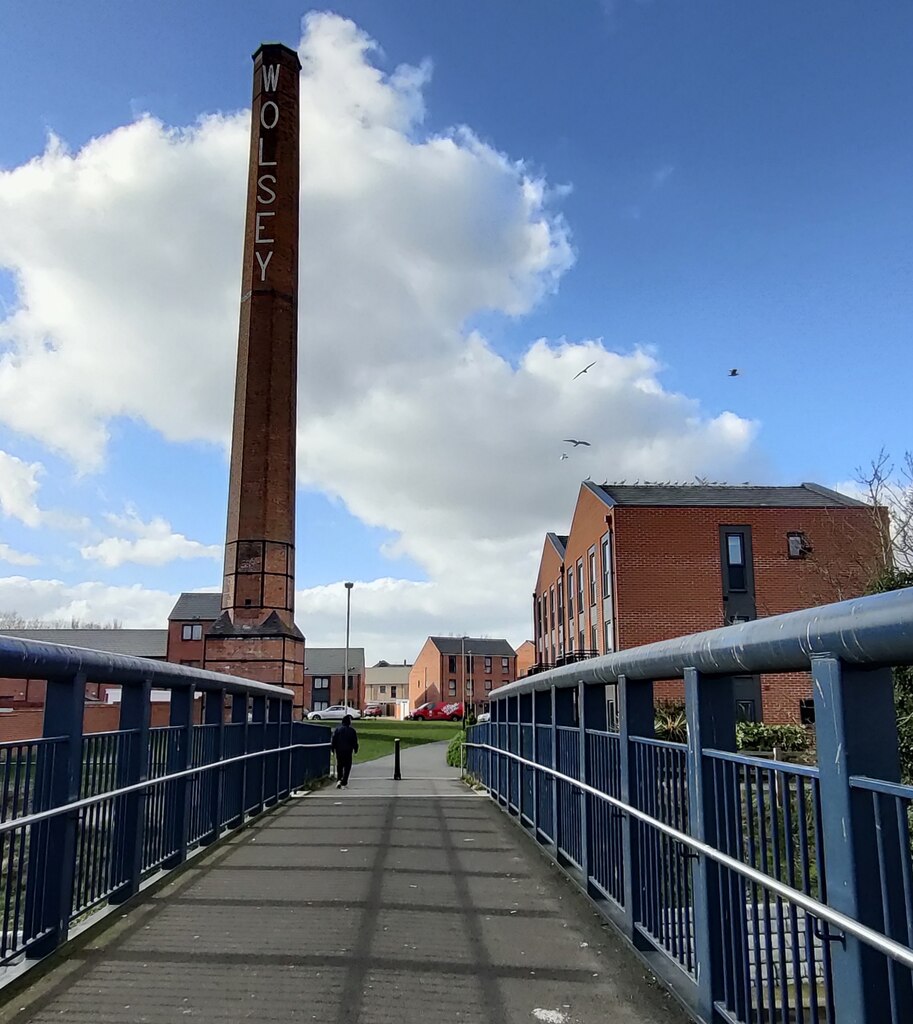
{"x": 85, "y": 820}
{"x": 760, "y": 890}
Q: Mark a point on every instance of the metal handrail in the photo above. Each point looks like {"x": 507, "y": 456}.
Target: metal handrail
{"x": 875, "y": 630}
{"x": 36, "y": 659}
{"x": 895, "y": 950}
{"x": 135, "y": 787}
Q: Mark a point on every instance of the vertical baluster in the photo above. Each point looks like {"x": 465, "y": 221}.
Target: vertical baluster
{"x": 844, "y": 697}
{"x": 636, "y": 719}
{"x": 181, "y": 717}
{"x": 786, "y": 796}
{"x": 811, "y": 957}
{"x": 135, "y": 710}
{"x": 51, "y": 888}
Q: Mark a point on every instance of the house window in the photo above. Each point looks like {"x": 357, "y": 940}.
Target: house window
{"x": 594, "y": 638}
{"x": 488, "y": 663}
{"x": 451, "y": 663}
{"x": 609, "y": 637}
{"x": 505, "y": 664}
{"x": 451, "y": 687}
{"x": 735, "y": 561}
{"x": 570, "y": 593}
{"x": 798, "y": 545}
{"x": 192, "y": 631}
{"x": 383, "y": 689}
{"x": 570, "y": 643}
{"x": 592, "y": 578}
{"x": 393, "y": 693}
{"x": 487, "y": 684}
{"x": 321, "y": 683}
{"x": 552, "y": 601}
{"x": 561, "y": 600}
{"x": 581, "y": 643}
{"x": 580, "y": 584}
{"x": 607, "y": 565}
{"x": 321, "y": 705}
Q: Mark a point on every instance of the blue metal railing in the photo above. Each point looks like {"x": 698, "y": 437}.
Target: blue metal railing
{"x": 86, "y": 820}
{"x": 761, "y": 891}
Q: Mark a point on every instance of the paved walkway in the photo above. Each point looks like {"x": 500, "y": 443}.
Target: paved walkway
{"x": 388, "y": 903}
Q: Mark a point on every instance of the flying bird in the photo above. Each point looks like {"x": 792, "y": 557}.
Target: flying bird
{"x": 575, "y": 442}
{"x": 583, "y": 371}
{"x": 564, "y": 455}
{"x": 733, "y": 373}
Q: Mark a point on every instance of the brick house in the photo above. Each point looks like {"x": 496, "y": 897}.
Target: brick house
{"x": 388, "y": 686}
{"x": 188, "y": 623}
{"x": 323, "y": 677}
{"x": 526, "y": 658}
{"x": 461, "y": 668}
{"x": 647, "y": 563}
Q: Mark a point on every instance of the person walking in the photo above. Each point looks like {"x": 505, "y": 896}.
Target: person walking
{"x": 344, "y": 745}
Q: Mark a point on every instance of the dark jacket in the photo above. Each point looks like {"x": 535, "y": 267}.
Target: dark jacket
{"x": 345, "y": 741}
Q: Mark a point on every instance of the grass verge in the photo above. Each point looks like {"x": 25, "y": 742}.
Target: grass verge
{"x": 375, "y": 738}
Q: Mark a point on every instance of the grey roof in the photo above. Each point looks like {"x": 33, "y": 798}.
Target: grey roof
{"x": 140, "y": 643}
{"x": 559, "y": 542}
{"x": 805, "y": 495}
{"x": 329, "y": 661}
{"x": 476, "y": 644}
{"x": 197, "y": 606}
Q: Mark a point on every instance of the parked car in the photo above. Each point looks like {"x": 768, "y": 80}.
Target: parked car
{"x": 438, "y": 711}
{"x": 335, "y": 711}
{"x": 483, "y": 718}
{"x": 374, "y": 711}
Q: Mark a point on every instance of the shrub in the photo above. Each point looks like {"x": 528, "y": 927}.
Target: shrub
{"x": 456, "y": 756}
{"x": 758, "y": 736}
{"x": 669, "y": 721}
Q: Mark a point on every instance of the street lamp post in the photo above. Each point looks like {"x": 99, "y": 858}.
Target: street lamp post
{"x": 345, "y": 667}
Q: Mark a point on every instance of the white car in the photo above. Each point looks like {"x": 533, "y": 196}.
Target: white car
{"x": 335, "y": 711}
{"x": 483, "y": 718}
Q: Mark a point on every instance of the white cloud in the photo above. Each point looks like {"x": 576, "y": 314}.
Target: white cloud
{"x": 54, "y": 600}
{"x": 18, "y": 487}
{"x": 13, "y": 557}
{"x": 127, "y": 252}
{"x": 152, "y": 543}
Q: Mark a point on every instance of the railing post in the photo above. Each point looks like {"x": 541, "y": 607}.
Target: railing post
{"x": 285, "y": 740}
{"x": 130, "y": 816}
{"x": 49, "y": 897}
{"x": 856, "y": 733}
{"x": 214, "y": 718}
{"x": 239, "y": 771}
{"x": 584, "y": 777}
{"x": 256, "y": 772}
{"x": 556, "y": 789}
{"x": 272, "y": 743}
{"x": 181, "y": 752}
{"x": 635, "y": 698}
{"x": 593, "y": 717}
{"x": 710, "y": 709}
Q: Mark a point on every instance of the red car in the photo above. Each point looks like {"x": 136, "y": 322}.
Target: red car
{"x": 374, "y": 711}
{"x": 438, "y": 711}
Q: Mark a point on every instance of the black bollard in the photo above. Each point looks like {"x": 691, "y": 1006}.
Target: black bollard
{"x": 397, "y": 774}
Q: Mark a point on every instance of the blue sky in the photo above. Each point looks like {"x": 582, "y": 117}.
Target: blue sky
{"x": 734, "y": 180}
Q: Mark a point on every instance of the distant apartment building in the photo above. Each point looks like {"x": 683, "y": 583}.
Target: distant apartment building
{"x": 526, "y": 658}
{"x": 388, "y": 686}
{"x": 324, "y": 677}
{"x": 652, "y": 562}
{"x": 461, "y": 669}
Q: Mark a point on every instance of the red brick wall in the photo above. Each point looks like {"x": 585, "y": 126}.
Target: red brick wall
{"x": 668, "y": 579}
{"x": 425, "y": 680}
{"x": 669, "y": 575}
{"x": 184, "y": 651}
{"x": 27, "y": 725}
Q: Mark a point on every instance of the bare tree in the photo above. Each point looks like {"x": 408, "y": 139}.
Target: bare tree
{"x": 13, "y": 620}
{"x": 891, "y": 487}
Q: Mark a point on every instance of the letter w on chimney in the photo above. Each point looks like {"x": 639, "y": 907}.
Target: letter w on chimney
{"x": 271, "y": 78}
